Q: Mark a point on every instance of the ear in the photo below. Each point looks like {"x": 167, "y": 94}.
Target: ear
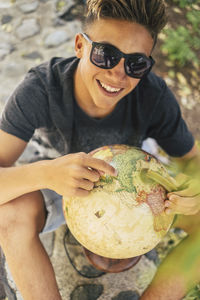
{"x": 79, "y": 45}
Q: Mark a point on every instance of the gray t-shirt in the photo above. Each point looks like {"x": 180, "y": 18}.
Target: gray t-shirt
{"x": 43, "y": 107}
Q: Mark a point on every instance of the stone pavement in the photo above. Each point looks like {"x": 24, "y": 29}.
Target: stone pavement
{"x": 32, "y": 32}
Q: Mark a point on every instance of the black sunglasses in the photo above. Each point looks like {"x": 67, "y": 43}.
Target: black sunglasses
{"x": 106, "y": 56}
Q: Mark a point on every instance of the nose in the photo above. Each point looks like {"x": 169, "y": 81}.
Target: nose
{"x": 118, "y": 71}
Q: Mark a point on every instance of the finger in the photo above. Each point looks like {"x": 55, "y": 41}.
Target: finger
{"x": 89, "y": 174}
{"x": 168, "y": 211}
{"x": 100, "y": 165}
{"x": 81, "y": 193}
{"x": 171, "y": 207}
{"x": 181, "y": 201}
{"x": 186, "y": 208}
{"x": 187, "y": 212}
{"x": 86, "y": 184}
{"x": 188, "y": 192}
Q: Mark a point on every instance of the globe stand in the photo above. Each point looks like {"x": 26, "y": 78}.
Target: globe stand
{"x": 110, "y": 265}
{"x": 97, "y": 265}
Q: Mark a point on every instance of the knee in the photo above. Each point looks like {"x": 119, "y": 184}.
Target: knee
{"x": 21, "y": 215}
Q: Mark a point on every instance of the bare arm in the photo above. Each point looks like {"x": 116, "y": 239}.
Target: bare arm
{"x": 16, "y": 181}
{"x": 69, "y": 175}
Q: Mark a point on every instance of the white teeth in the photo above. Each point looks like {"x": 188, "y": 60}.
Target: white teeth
{"x": 109, "y": 88}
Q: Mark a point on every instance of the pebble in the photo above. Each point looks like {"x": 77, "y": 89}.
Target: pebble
{"x": 6, "y": 19}
{"x": 29, "y": 7}
{"x": 56, "y": 38}
{"x": 127, "y": 295}
{"x": 5, "y": 49}
{"x": 87, "y": 292}
{"x": 28, "y": 28}
{"x": 32, "y": 55}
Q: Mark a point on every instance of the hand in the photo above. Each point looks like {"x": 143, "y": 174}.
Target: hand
{"x": 179, "y": 203}
{"x": 75, "y": 174}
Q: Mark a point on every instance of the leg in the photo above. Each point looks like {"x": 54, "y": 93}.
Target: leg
{"x": 21, "y": 221}
{"x": 179, "y": 271}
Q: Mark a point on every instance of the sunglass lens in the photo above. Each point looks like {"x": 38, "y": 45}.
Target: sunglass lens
{"x": 137, "y": 66}
{"x": 104, "y": 56}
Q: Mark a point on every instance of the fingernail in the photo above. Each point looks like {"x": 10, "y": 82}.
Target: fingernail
{"x": 167, "y": 204}
{"x": 168, "y": 211}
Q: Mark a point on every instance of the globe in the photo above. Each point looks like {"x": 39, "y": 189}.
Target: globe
{"x": 122, "y": 216}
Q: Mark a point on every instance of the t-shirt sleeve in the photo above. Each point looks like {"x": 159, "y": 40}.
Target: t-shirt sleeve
{"x": 167, "y": 126}
{"x": 26, "y": 109}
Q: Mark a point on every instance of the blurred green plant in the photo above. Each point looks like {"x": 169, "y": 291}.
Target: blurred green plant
{"x": 185, "y": 3}
{"x": 182, "y": 43}
{"x": 193, "y": 294}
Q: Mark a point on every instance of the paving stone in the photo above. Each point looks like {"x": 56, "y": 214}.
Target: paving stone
{"x": 74, "y": 12}
{"x": 6, "y": 19}
{"x": 5, "y": 49}
{"x": 33, "y": 55}
{"x": 13, "y": 69}
{"x": 29, "y": 7}
{"x": 28, "y": 28}
{"x": 87, "y": 292}
{"x": 127, "y": 295}
{"x": 3, "y": 53}
{"x": 56, "y": 38}
{"x": 5, "y": 4}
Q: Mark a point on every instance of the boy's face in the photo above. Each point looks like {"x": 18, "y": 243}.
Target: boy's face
{"x": 94, "y": 84}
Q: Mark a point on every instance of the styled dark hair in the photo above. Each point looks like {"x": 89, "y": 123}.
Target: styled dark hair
{"x": 149, "y": 13}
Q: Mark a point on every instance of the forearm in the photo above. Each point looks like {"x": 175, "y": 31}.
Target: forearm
{"x": 16, "y": 181}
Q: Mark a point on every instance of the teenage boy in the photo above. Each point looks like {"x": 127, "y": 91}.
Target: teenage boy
{"x": 106, "y": 95}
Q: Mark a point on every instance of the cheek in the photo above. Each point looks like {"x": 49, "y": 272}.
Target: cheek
{"x": 87, "y": 69}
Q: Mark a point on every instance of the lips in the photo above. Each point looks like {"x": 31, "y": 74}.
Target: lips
{"x": 108, "y": 89}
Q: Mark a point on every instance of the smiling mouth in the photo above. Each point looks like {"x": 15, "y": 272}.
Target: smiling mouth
{"x": 109, "y": 89}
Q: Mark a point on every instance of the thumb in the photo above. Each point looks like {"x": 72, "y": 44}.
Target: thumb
{"x": 188, "y": 192}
